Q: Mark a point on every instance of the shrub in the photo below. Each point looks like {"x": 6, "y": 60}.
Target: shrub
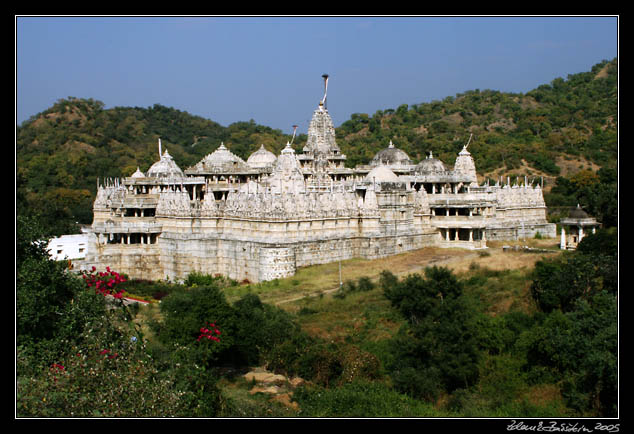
{"x": 148, "y": 288}
{"x": 186, "y": 310}
{"x": 360, "y": 398}
{"x": 260, "y": 327}
{"x": 438, "y": 348}
{"x": 52, "y": 304}
{"x": 364, "y": 283}
{"x": 200, "y": 279}
{"x": 106, "y": 374}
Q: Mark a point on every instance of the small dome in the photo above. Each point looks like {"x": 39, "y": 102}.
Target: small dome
{"x": 287, "y": 162}
{"x": 381, "y": 174}
{"x": 138, "y": 174}
{"x": 430, "y": 165}
{"x": 165, "y": 168}
{"x": 578, "y": 213}
{"x": 261, "y": 158}
{"x": 391, "y": 156}
{"x": 220, "y": 160}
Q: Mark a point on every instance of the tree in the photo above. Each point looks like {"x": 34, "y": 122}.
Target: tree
{"x": 438, "y": 348}
{"x": 52, "y": 305}
{"x": 577, "y": 338}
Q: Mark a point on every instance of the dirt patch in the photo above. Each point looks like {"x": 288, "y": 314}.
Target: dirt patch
{"x": 571, "y": 165}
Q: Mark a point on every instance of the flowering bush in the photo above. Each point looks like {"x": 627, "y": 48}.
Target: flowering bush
{"x": 206, "y": 333}
{"x": 103, "y": 376}
{"x": 104, "y": 282}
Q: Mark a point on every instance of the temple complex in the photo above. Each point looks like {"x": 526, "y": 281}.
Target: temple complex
{"x": 262, "y": 218}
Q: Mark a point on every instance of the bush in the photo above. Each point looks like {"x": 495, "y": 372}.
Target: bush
{"x": 438, "y": 349}
{"x": 260, "y": 327}
{"x": 148, "y": 288}
{"x": 104, "y": 374}
{"x": 52, "y": 304}
{"x": 323, "y": 363}
{"x": 360, "y": 398}
{"x": 200, "y": 279}
{"x": 187, "y": 310}
{"x": 363, "y": 284}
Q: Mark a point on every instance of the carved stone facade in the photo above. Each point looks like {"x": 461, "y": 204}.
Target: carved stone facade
{"x": 262, "y": 219}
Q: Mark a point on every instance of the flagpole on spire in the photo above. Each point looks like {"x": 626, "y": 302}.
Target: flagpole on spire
{"x": 294, "y": 131}
{"x": 325, "y": 77}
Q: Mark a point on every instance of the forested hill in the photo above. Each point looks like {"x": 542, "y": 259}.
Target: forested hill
{"x": 576, "y": 116}
{"x": 62, "y": 151}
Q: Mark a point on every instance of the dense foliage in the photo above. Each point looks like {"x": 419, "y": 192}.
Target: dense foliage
{"x": 437, "y": 349}
{"x": 596, "y": 192}
{"x": 576, "y": 116}
{"x": 74, "y": 356}
{"x": 62, "y": 151}
{"x": 578, "y": 338}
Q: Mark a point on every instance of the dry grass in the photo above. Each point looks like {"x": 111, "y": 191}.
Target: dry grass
{"x": 319, "y": 280}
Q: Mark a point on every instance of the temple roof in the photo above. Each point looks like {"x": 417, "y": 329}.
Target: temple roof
{"x": 578, "y": 213}
{"x": 391, "y": 156}
{"x": 381, "y": 174}
{"x": 166, "y": 167}
{"x": 261, "y": 158}
{"x": 221, "y": 160}
{"x": 430, "y": 165}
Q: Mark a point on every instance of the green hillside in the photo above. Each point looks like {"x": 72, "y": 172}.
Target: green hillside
{"x": 569, "y": 123}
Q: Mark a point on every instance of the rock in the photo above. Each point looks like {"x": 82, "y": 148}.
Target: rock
{"x": 296, "y": 382}
{"x": 264, "y": 377}
{"x": 273, "y": 390}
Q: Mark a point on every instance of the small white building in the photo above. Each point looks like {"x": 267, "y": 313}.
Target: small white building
{"x": 68, "y": 247}
{"x": 579, "y": 224}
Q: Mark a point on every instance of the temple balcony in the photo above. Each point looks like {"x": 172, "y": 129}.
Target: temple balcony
{"x": 458, "y": 221}
{"x": 128, "y": 225}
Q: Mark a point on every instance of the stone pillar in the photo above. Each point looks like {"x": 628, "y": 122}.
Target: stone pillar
{"x": 580, "y": 233}
{"x": 562, "y": 243}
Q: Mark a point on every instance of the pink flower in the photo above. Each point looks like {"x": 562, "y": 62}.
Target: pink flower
{"x": 206, "y": 333}
{"x": 57, "y": 367}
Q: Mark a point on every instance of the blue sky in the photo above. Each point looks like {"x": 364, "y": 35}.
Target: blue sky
{"x": 269, "y": 69}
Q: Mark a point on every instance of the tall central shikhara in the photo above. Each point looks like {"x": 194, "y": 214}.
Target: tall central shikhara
{"x": 262, "y": 218}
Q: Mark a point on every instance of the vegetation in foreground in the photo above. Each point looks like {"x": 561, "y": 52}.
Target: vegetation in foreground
{"x": 539, "y": 342}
